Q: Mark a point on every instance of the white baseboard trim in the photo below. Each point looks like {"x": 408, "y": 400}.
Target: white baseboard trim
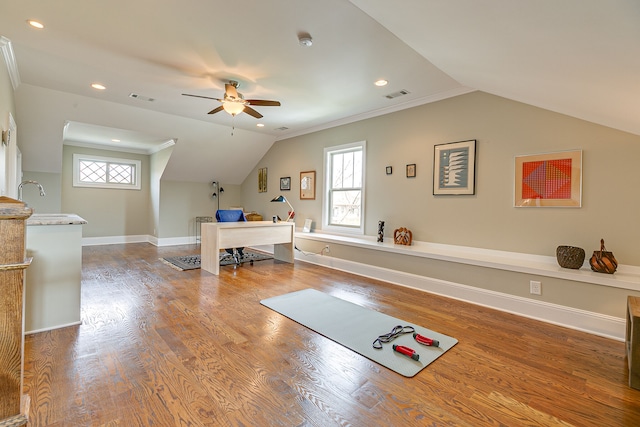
{"x": 174, "y": 241}
{"x": 114, "y": 240}
{"x": 585, "y": 321}
{"x": 142, "y": 238}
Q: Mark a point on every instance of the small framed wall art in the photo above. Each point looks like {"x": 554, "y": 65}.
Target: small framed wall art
{"x": 308, "y": 185}
{"x": 411, "y": 170}
{"x": 454, "y": 168}
{"x": 285, "y": 183}
{"x": 389, "y": 170}
{"x": 549, "y": 180}
{"x": 262, "y": 180}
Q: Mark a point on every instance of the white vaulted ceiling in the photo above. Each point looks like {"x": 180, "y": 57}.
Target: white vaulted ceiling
{"x": 577, "y": 57}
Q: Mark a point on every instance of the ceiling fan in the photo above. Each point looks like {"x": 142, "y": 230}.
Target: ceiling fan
{"x": 234, "y": 102}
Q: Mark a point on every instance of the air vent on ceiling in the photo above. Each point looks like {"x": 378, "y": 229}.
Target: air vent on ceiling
{"x": 282, "y": 128}
{"x": 140, "y": 97}
{"x": 397, "y": 94}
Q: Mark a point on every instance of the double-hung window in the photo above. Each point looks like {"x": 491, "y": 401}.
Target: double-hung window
{"x": 105, "y": 172}
{"x": 343, "y": 204}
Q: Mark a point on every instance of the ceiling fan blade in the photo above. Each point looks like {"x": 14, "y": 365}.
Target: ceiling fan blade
{"x": 263, "y": 102}
{"x": 250, "y": 111}
{"x": 216, "y": 110}
{"x": 200, "y": 96}
{"x": 230, "y": 90}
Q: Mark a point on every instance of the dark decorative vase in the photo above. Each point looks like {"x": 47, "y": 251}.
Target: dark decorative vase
{"x": 570, "y": 256}
{"x": 603, "y": 261}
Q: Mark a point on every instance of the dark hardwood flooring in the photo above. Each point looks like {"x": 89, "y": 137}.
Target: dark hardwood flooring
{"x": 160, "y": 347}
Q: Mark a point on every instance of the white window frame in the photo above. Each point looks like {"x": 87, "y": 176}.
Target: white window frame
{"x": 77, "y": 158}
{"x": 326, "y": 200}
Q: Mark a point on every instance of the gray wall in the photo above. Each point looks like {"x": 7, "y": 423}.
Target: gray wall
{"x": 181, "y": 202}
{"x": 109, "y": 212}
{"x": 503, "y": 129}
{"x": 52, "y": 184}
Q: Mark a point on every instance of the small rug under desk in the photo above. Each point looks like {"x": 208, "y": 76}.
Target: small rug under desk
{"x": 192, "y": 262}
{"x": 357, "y": 327}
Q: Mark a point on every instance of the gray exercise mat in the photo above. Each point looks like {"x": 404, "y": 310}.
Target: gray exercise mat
{"x": 356, "y": 328}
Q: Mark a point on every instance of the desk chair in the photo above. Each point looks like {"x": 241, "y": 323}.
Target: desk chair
{"x": 231, "y": 215}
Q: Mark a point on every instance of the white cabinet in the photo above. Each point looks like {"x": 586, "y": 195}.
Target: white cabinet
{"x": 52, "y": 293}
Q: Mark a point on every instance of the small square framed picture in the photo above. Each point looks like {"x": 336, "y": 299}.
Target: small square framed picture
{"x": 389, "y": 170}
{"x": 285, "y": 183}
{"x": 411, "y": 170}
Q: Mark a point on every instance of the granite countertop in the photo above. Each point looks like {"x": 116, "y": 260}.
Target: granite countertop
{"x": 55, "y": 219}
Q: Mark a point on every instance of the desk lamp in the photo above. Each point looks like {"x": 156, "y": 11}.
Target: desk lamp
{"x": 283, "y": 199}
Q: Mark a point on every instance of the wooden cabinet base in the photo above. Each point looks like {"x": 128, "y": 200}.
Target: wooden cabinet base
{"x": 13, "y": 262}
{"x": 633, "y": 341}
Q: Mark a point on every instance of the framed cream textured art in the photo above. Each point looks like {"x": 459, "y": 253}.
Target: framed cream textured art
{"x": 454, "y": 166}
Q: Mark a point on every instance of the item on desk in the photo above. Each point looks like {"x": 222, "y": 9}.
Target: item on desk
{"x": 407, "y": 351}
{"x": 253, "y": 216}
{"x": 421, "y": 339}
{"x": 602, "y": 261}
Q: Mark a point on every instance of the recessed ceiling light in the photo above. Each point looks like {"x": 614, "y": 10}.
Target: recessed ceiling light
{"x": 35, "y": 24}
{"x": 260, "y": 125}
{"x": 98, "y": 86}
{"x": 381, "y": 82}
{"x": 115, "y": 140}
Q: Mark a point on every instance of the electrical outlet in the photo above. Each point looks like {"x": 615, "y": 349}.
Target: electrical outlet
{"x": 535, "y": 287}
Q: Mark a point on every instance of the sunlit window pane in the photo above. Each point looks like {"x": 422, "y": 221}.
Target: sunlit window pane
{"x": 345, "y": 193}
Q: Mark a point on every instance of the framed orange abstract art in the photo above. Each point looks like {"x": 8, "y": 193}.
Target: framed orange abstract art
{"x": 549, "y": 180}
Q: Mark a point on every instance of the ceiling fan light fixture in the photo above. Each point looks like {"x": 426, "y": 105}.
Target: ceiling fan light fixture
{"x": 233, "y": 108}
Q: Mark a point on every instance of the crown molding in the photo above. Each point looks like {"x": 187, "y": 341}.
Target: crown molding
{"x": 10, "y": 60}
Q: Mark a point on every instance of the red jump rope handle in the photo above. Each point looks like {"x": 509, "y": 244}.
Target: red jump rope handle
{"x": 421, "y": 339}
{"x": 409, "y": 352}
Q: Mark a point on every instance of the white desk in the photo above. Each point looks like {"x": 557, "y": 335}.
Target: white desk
{"x": 221, "y": 235}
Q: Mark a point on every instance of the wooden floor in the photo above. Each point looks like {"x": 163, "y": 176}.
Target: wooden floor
{"x": 160, "y": 347}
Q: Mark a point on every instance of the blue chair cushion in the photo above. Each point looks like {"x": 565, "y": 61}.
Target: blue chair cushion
{"x": 230, "y": 215}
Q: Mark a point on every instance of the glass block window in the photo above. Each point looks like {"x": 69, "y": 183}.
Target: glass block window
{"x": 105, "y": 172}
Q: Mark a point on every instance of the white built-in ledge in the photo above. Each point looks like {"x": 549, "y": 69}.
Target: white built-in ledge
{"x": 626, "y": 277}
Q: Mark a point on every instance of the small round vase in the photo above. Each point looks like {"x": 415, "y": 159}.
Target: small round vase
{"x": 570, "y": 256}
